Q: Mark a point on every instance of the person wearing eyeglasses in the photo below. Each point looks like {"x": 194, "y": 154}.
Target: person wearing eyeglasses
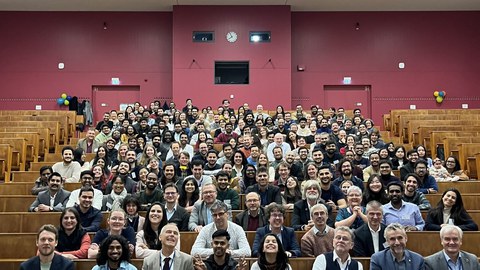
{"x": 173, "y": 211}
{"x": 399, "y": 211}
{"x": 427, "y": 183}
{"x": 238, "y": 240}
{"x": 116, "y": 226}
{"x": 201, "y": 214}
{"x": 276, "y": 218}
{"x": 339, "y": 258}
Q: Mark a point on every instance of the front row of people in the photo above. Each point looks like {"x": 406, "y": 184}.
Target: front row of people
{"x": 224, "y": 245}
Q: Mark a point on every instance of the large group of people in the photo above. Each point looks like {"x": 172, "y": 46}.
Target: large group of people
{"x": 188, "y": 168}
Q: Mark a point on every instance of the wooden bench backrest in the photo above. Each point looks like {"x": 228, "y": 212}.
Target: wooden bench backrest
{"x": 453, "y": 143}
{"x": 471, "y": 201}
{"x": 35, "y": 166}
{"x": 413, "y": 126}
{"x": 436, "y": 138}
{"x": 419, "y": 136}
{"x": 33, "y": 141}
{"x": 24, "y": 188}
{"x": 6, "y": 160}
{"x": 53, "y": 126}
{"x": 44, "y": 133}
{"x": 20, "y": 145}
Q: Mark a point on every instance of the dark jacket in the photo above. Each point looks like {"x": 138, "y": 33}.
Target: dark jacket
{"x": 58, "y": 263}
{"x": 363, "y": 244}
{"x": 289, "y": 241}
{"x": 180, "y": 217}
{"x": 301, "y": 215}
{"x": 272, "y": 194}
{"x": 242, "y": 219}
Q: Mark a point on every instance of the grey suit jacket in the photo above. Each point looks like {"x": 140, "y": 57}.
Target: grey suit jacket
{"x": 198, "y": 216}
{"x": 44, "y": 198}
{"x": 437, "y": 261}
{"x": 383, "y": 260}
{"x": 182, "y": 261}
{"x": 82, "y": 143}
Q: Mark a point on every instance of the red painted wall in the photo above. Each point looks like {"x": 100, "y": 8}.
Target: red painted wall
{"x": 440, "y": 51}
{"x": 270, "y": 82}
{"x": 154, "y": 50}
{"x": 136, "y": 47}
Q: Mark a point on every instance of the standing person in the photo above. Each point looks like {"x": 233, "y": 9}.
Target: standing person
{"x": 221, "y": 259}
{"x": 451, "y": 257}
{"x": 69, "y": 169}
{"x": 168, "y": 257}
{"x": 271, "y": 255}
{"x": 397, "y": 256}
{"x": 52, "y": 200}
{"x": 339, "y": 258}
{"x": 114, "y": 254}
{"x": 47, "y": 239}
{"x": 73, "y": 240}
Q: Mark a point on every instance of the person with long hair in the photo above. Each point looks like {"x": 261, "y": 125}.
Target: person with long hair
{"x": 148, "y": 238}
{"x": 374, "y": 191}
{"x": 248, "y": 179}
{"x": 400, "y": 157}
{"x": 116, "y": 226}
{"x": 148, "y": 152}
{"x": 189, "y": 194}
{"x": 239, "y": 161}
{"x": 453, "y": 167}
{"x": 73, "y": 241}
{"x": 100, "y": 179}
{"x": 263, "y": 161}
{"x": 131, "y": 206}
{"x": 101, "y": 153}
{"x": 450, "y": 210}
{"x": 120, "y": 259}
{"x": 310, "y": 171}
{"x": 422, "y": 154}
{"x": 271, "y": 255}
{"x": 292, "y": 193}
{"x": 79, "y": 156}
{"x": 130, "y": 132}
{"x": 122, "y": 154}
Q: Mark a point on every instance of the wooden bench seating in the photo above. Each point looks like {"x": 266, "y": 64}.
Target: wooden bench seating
{"x": 24, "y": 188}
{"x": 6, "y": 161}
{"x": 33, "y": 143}
{"x": 62, "y": 120}
{"x": 462, "y": 186}
{"x": 53, "y": 126}
{"x": 466, "y": 156}
{"x": 46, "y": 137}
{"x": 471, "y": 201}
{"x": 22, "y": 245}
{"x": 25, "y": 176}
{"x": 401, "y": 129}
{"x": 435, "y": 140}
{"x": 21, "y": 146}
{"x": 422, "y": 134}
{"x": 452, "y": 144}
{"x": 35, "y": 166}
{"x": 413, "y": 126}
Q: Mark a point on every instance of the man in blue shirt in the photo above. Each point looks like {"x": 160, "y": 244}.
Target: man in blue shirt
{"x": 398, "y": 211}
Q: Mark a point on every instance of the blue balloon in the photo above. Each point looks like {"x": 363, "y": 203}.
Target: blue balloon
{"x": 442, "y": 94}
{"x": 60, "y": 101}
{"x": 69, "y": 98}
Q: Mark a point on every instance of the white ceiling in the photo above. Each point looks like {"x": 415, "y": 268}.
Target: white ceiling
{"x": 296, "y": 5}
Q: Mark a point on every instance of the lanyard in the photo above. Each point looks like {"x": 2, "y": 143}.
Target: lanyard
{"x": 170, "y": 264}
{"x": 460, "y": 266}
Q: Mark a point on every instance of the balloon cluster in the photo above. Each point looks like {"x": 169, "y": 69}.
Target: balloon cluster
{"x": 64, "y": 99}
{"x": 439, "y": 96}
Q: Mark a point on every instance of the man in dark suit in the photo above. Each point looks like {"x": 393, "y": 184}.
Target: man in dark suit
{"x": 54, "y": 199}
{"x": 365, "y": 245}
{"x": 47, "y": 239}
{"x": 174, "y": 212}
{"x": 397, "y": 256}
{"x": 451, "y": 238}
{"x": 301, "y": 220}
{"x": 276, "y": 216}
{"x": 254, "y": 216}
{"x": 268, "y": 194}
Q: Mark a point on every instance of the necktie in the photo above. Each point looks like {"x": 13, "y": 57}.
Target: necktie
{"x": 166, "y": 264}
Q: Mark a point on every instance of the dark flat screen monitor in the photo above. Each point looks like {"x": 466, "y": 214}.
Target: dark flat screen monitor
{"x": 232, "y": 72}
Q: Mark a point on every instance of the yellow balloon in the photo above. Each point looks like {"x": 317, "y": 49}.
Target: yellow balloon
{"x": 435, "y": 94}
{"x": 66, "y": 102}
{"x": 439, "y": 100}
{"x": 64, "y": 96}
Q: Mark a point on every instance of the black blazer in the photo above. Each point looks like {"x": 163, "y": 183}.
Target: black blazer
{"x": 434, "y": 221}
{"x": 242, "y": 218}
{"x": 273, "y": 193}
{"x": 180, "y": 217}
{"x": 301, "y": 215}
{"x": 363, "y": 244}
{"x": 58, "y": 263}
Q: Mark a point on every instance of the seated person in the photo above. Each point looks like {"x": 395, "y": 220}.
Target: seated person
{"x": 86, "y": 178}
{"x": 114, "y": 200}
{"x": 238, "y": 241}
{"x": 54, "y": 198}
{"x": 301, "y": 219}
{"x": 116, "y": 223}
{"x": 131, "y": 206}
{"x": 73, "y": 240}
{"x": 332, "y": 194}
{"x": 352, "y": 216}
{"x": 440, "y": 173}
{"x": 201, "y": 214}
{"x": 224, "y": 193}
{"x": 268, "y": 193}
{"x": 254, "y": 216}
{"x": 450, "y": 210}
{"x": 319, "y": 238}
{"x": 412, "y": 195}
{"x": 90, "y": 217}
{"x": 221, "y": 259}
{"x": 369, "y": 237}
{"x": 427, "y": 184}
{"x": 41, "y": 184}
{"x": 276, "y": 216}
{"x": 152, "y": 192}
{"x": 398, "y": 211}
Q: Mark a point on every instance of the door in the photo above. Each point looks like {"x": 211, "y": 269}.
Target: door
{"x": 349, "y": 97}
{"x": 113, "y": 97}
